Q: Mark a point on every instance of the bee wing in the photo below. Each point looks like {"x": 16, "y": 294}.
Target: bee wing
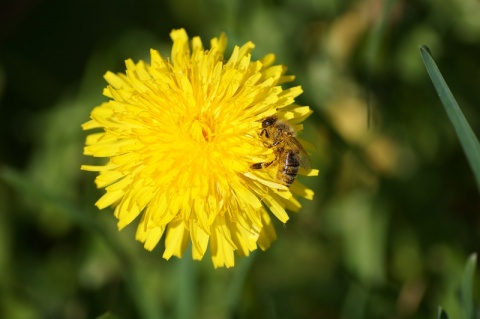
{"x": 303, "y": 156}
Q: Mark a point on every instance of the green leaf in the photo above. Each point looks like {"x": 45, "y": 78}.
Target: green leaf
{"x": 466, "y": 292}
{"x": 442, "y": 314}
{"x": 464, "y": 132}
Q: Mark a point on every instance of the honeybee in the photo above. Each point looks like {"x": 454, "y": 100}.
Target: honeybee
{"x": 289, "y": 153}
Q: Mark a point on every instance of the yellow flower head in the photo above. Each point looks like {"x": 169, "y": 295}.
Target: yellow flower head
{"x": 187, "y": 150}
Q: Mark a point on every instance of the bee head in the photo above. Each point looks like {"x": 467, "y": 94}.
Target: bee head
{"x": 269, "y": 121}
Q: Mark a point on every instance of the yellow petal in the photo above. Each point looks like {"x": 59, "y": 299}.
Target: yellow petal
{"x": 177, "y": 240}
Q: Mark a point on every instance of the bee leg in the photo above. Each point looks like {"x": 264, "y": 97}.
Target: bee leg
{"x": 261, "y": 165}
{"x": 264, "y": 133}
{"x": 270, "y": 145}
{"x": 256, "y": 165}
{"x": 265, "y": 165}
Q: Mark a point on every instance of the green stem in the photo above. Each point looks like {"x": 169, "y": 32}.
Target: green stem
{"x": 185, "y": 306}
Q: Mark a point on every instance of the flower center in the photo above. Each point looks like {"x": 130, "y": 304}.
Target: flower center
{"x": 203, "y": 129}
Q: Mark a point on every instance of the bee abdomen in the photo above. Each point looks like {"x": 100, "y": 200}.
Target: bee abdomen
{"x": 290, "y": 170}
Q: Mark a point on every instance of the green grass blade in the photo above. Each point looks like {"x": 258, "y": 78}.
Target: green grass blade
{"x": 377, "y": 33}
{"x": 464, "y": 132}
{"x": 373, "y": 45}
{"x": 442, "y": 314}
{"x": 466, "y": 292}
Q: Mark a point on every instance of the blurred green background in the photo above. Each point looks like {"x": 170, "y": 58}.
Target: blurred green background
{"x": 396, "y": 210}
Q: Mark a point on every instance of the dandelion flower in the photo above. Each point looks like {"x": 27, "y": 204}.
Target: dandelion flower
{"x": 181, "y": 135}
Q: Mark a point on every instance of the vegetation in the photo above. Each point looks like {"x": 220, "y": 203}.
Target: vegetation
{"x": 396, "y": 207}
